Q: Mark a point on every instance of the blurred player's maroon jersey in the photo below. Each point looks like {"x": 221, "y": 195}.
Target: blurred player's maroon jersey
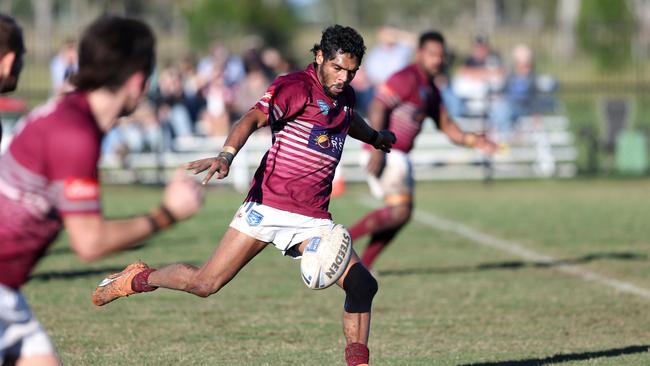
{"x": 411, "y": 96}
{"x": 49, "y": 171}
{"x": 309, "y": 130}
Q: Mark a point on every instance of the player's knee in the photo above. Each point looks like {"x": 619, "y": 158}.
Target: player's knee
{"x": 204, "y": 288}
{"x": 360, "y": 288}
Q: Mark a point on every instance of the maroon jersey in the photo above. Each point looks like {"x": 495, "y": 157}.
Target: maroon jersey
{"x": 309, "y": 130}
{"x": 48, "y": 171}
{"x": 411, "y": 96}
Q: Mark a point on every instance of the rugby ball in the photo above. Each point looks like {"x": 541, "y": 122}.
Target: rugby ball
{"x": 326, "y": 257}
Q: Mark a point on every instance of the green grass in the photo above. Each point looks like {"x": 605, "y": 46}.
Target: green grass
{"x": 443, "y": 300}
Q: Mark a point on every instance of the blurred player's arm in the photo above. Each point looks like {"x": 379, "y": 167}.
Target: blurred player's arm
{"x": 378, "y": 114}
{"x": 241, "y": 131}
{"x": 468, "y": 139}
{"x": 92, "y": 236}
{"x": 380, "y": 139}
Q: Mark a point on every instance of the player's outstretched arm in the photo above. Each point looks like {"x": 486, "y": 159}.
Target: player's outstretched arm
{"x": 92, "y": 236}
{"x": 236, "y": 139}
{"x": 381, "y": 140}
{"x": 457, "y": 136}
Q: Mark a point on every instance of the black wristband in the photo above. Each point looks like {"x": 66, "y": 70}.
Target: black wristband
{"x": 154, "y": 225}
{"x": 228, "y": 156}
{"x": 374, "y": 138}
{"x": 161, "y": 218}
{"x": 168, "y": 213}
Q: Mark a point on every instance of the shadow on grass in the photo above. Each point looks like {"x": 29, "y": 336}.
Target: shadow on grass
{"x": 515, "y": 265}
{"x": 569, "y": 357}
{"x": 67, "y": 250}
{"x": 70, "y": 275}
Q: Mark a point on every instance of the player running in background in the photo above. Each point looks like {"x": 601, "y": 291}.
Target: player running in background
{"x": 12, "y": 49}
{"x": 310, "y": 113}
{"x": 48, "y": 178}
{"x": 401, "y": 105}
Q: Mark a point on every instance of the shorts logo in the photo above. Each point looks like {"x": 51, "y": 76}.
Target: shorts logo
{"x": 81, "y": 189}
{"x": 313, "y": 244}
{"x": 324, "y": 107}
{"x": 254, "y": 218}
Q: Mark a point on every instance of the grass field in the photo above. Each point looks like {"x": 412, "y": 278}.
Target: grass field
{"x": 444, "y": 299}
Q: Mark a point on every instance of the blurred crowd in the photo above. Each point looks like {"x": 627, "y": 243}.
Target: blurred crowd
{"x": 203, "y": 96}
{"x": 482, "y": 85}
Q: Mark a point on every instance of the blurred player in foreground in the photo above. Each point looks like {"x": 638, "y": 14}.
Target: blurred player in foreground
{"x": 12, "y": 48}
{"x": 401, "y": 105}
{"x": 48, "y": 178}
{"x": 310, "y": 114}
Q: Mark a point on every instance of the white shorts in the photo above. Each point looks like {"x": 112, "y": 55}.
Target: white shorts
{"x": 283, "y": 229}
{"x": 397, "y": 177}
{"x": 21, "y": 335}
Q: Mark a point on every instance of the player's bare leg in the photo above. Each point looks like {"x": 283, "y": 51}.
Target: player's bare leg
{"x": 234, "y": 251}
{"x": 383, "y": 225}
{"x": 360, "y": 289}
{"x": 45, "y": 360}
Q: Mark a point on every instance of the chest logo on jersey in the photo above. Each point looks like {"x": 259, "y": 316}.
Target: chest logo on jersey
{"x": 324, "y": 107}
{"x": 81, "y": 189}
{"x": 322, "y": 140}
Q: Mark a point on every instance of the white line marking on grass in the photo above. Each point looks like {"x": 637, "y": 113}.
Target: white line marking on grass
{"x": 516, "y": 249}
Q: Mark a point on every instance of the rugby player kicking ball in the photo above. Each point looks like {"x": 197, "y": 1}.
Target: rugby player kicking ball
{"x": 310, "y": 114}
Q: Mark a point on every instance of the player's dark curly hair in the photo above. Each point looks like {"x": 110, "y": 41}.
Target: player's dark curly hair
{"x": 340, "y": 39}
{"x": 431, "y": 36}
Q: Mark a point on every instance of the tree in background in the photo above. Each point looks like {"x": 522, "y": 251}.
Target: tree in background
{"x": 605, "y": 31}
{"x": 209, "y": 20}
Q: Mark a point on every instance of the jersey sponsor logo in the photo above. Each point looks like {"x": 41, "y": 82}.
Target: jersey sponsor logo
{"x": 324, "y": 107}
{"x": 313, "y": 244}
{"x": 81, "y": 189}
{"x": 254, "y": 218}
{"x": 321, "y": 140}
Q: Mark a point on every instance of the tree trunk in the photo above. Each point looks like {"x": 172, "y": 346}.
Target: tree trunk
{"x": 567, "y": 17}
{"x": 5, "y": 6}
{"x": 642, "y": 42}
{"x": 43, "y": 28}
{"x": 486, "y": 15}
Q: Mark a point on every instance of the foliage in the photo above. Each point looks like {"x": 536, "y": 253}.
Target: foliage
{"x": 605, "y": 31}
{"x": 211, "y": 20}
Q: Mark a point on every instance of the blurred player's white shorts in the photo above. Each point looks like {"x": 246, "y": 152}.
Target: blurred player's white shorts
{"x": 283, "y": 229}
{"x": 397, "y": 177}
{"x": 21, "y": 335}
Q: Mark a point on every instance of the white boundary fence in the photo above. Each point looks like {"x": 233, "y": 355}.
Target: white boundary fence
{"x": 539, "y": 147}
